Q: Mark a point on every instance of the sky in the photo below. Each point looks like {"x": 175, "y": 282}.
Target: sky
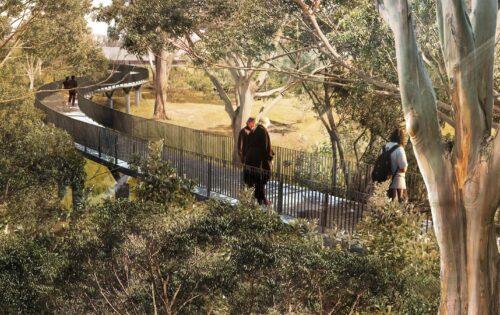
{"x": 99, "y": 28}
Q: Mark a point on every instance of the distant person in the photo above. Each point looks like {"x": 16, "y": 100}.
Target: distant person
{"x": 65, "y": 85}
{"x": 259, "y": 160}
{"x": 243, "y": 138}
{"x": 399, "y": 164}
{"x": 72, "y": 85}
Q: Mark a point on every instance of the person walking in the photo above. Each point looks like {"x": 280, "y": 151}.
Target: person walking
{"x": 72, "y": 85}
{"x": 243, "y": 138}
{"x": 65, "y": 86}
{"x": 399, "y": 164}
{"x": 259, "y": 160}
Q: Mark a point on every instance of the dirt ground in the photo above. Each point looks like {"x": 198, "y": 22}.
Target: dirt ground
{"x": 294, "y": 124}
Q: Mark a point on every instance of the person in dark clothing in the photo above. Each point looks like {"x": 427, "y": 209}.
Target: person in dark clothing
{"x": 72, "y": 85}
{"x": 258, "y": 160}
{"x": 243, "y": 138}
{"x": 65, "y": 84}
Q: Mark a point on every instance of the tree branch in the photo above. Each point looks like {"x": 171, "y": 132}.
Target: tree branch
{"x": 484, "y": 21}
{"x": 228, "y": 105}
{"x": 330, "y": 51}
{"x": 266, "y": 108}
{"x": 272, "y": 92}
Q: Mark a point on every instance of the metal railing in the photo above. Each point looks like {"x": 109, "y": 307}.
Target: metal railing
{"x": 302, "y": 185}
{"x": 303, "y": 166}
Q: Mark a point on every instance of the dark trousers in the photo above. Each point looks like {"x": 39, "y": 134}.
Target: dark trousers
{"x": 257, "y": 179}
{"x": 260, "y": 192}
{"x": 72, "y": 98}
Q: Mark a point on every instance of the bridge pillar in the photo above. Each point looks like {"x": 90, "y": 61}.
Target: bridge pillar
{"x": 126, "y": 91}
{"x": 138, "y": 94}
{"x": 109, "y": 95}
{"x": 122, "y": 190}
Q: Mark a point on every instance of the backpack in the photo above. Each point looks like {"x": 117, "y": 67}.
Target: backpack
{"x": 382, "y": 169}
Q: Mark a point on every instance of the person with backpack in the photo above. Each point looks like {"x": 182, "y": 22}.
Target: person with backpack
{"x": 392, "y": 164}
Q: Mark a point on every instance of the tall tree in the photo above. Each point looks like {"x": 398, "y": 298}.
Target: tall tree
{"x": 240, "y": 37}
{"x": 462, "y": 185}
{"x": 365, "y": 52}
{"x": 45, "y": 37}
{"x": 72, "y": 51}
{"x": 145, "y": 26}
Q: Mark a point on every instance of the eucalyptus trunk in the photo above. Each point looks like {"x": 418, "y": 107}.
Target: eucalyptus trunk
{"x": 163, "y": 67}
{"x": 462, "y": 185}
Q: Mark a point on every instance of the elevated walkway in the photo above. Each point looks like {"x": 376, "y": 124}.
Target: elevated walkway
{"x": 291, "y": 196}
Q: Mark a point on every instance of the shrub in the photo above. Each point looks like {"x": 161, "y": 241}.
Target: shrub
{"x": 392, "y": 233}
{"x": 159, "y": 181}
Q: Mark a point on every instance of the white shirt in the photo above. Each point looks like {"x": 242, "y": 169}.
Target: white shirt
{"x": 398, "y": 161}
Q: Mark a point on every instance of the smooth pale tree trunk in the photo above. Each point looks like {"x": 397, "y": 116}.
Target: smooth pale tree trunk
{"x": 463, "y": 185}
{"x": 33, "y": 68}
{"x": 163, "y": 66}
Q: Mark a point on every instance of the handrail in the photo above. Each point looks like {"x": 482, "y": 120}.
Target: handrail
{"x": 290, "y": 162}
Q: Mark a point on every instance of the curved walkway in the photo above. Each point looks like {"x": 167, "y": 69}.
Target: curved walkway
{"x": 216, "y": 178}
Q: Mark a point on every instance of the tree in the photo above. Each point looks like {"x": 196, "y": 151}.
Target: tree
{"x": 365, "y": 52}
{"x": 221, "y": 40}
{"x": 146, "y": 26}
{"x": 38, "y": 162}
{"x": 462, "y": 185}
{"x": 72, "y": 51}
{"x": 35, "y": 48}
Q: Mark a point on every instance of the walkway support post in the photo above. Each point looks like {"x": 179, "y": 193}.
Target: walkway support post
{"x": 116, "y": 149}
{"x": 209, "y": 175}
{"x": 323, "y": 222}
{"x": 126, "y": 91}
{"x": 280, "y": 185}
{"x": 138, "y": 95}
{"x": 109, "y": 95}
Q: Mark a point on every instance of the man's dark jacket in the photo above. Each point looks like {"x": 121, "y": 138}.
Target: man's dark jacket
{"x": 243, "y": 142}
{"x": 260, "y": 153}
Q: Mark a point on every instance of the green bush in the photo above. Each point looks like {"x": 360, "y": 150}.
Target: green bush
{"x": 214, "y": 256}
{"x": 158, "y": 180}
{"x": 37, "y": 162}
{"x": 166, "y": 253}
{"x": 392, "y": 233}
{"x": 28, "y": 275}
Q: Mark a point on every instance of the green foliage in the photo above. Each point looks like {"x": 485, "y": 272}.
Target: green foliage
{"x": 49, "y": 38}
{"x": 148, "y": 24}
{"x": 37, "y": 162}
{"x": 393, "y": 234}
{"x": 226, "y": 28}
{"x": 28, "y": 275}
{"x": 236, "y": 260}
{"x": 159, "y": 181}
{"x": 185, "y": 78}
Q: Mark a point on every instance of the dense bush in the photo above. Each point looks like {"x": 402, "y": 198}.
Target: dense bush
{"x": 393, "y": 234}
{"x": 215, "y": 257}
{"x": 159, "y": 181}
{"x": 37, "y": 162}
{"x": 166, "y": 254}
